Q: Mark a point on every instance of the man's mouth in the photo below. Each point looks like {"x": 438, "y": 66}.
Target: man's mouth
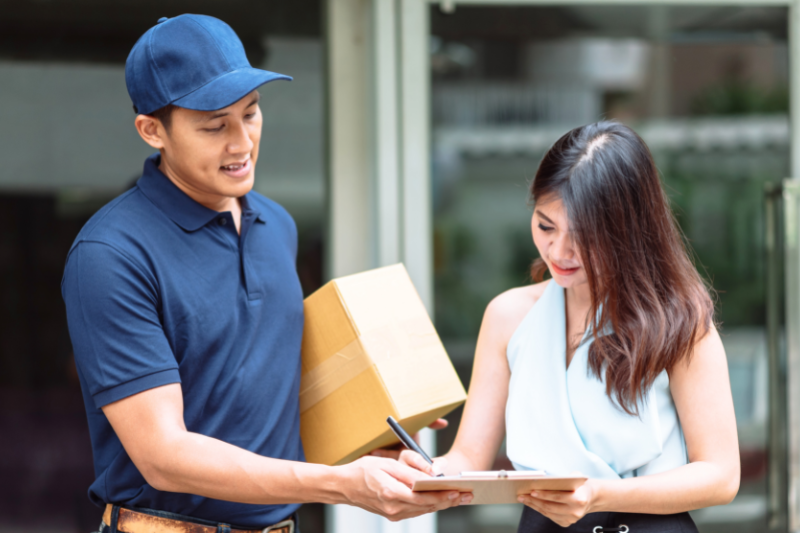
{"x": 235, "y": 166}
{"x": 238, "y": 169}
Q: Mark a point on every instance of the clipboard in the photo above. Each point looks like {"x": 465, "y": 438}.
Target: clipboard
{"x": 499, "y": 486}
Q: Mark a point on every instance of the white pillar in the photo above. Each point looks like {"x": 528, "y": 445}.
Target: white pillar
{"x": 415, "y": 159}
{"x": 348, "y": 135}
{"x": 386, "y": 131}
{"x": 379, "y": 178}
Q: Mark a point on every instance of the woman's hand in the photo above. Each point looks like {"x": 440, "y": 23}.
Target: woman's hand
{"x": 562, "y": 507}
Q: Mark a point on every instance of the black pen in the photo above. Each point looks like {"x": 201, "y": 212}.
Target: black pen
{"x": 406, "y": 439}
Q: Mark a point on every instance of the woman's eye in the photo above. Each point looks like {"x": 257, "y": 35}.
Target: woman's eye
{"x": 213, "y": 130}
{"x": 544, "y": 228}
{"x": 251, "y": 115}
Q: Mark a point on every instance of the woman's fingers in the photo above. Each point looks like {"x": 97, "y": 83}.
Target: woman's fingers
{"x": 439, "y": 423}
{"x": 564, "y": 513}
{"x": 559, "y": 496}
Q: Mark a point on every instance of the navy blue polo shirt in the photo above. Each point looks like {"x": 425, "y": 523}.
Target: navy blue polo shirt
{"x": 160, "y": 289}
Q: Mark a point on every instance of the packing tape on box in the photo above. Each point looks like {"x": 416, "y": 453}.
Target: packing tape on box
{"x": 381, "y": 343}
{"x": 333, "y": 373}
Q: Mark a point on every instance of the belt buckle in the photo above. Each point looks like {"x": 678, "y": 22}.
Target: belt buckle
{"x": 280, "y": 525}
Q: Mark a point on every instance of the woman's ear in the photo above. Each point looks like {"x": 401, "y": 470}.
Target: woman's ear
{"x": 150, "y": 130}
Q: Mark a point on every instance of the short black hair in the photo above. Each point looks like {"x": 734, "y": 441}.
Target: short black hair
{"x": 163, "y": 114}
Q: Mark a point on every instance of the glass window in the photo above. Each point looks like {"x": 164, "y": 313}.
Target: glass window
{"x": 706, "y": 87}
{"x": 68, "y": 146}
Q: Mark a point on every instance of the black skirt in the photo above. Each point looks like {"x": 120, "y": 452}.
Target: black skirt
{"x": 534, "y": 522}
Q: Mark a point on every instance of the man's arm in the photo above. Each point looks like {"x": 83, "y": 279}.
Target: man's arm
{"x": 151, "y": 428}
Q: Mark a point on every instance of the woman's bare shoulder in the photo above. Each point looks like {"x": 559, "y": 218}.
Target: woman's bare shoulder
{"x": 507, "y": 310}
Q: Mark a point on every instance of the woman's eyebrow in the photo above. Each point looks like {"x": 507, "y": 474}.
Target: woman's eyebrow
{"x": 545, "y": 217}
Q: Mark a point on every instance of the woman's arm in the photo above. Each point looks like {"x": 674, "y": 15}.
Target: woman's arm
{"x": 701, "y": 390}
{"x": 483, "y": 425}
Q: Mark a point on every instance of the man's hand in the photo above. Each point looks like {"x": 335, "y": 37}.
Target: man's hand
{"x": 394, "y": 451}
{"x": 414, "y": 460}
{"x": 383, "y": 486}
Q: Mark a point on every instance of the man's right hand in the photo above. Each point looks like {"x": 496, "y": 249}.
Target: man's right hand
{"x": 383, "y": 486}
{"x": 151, "y": 428}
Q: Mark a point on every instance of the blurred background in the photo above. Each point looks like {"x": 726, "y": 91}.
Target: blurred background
{"x": 706, "y": 86}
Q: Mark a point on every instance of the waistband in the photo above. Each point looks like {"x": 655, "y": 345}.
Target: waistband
{"x": 129, "y": 520}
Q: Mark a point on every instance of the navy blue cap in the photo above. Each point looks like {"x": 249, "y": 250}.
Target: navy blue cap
{"x": 191, "y": 61}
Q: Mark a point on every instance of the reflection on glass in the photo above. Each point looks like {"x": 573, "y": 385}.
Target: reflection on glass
{"x": 706, "y": 87}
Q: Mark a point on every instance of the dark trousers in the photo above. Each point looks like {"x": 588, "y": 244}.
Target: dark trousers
{"x": 533, "y": 522}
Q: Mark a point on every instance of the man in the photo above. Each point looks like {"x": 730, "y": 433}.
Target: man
{"x": 186, "y": 316}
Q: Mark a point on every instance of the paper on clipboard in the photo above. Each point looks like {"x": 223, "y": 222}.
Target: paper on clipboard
{"x": 499, "y": 487}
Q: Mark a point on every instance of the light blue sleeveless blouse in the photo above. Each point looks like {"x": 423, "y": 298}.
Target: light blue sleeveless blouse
{"x": 561, "y": 420}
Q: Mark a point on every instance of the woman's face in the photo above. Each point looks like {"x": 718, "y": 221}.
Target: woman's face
{"x": 553, "y": 239}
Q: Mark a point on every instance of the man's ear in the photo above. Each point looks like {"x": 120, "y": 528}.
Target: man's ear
{"x": 150, "y": 130}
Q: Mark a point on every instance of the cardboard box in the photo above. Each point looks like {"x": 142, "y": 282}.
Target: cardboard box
{"x": 370, "y": 351}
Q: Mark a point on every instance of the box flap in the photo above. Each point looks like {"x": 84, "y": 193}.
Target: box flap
{"x": 328, "y": 329}
{"x": 397, "y": 333}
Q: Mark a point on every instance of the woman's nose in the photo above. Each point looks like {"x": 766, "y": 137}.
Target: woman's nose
{"x": 562, "y": 247}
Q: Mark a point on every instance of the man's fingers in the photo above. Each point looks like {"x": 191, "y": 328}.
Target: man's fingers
{"x": 387, "y": 453}
{"x": 438, "y": 499}
{"x": 442, "y": 499}
{"x": 439, "y": 466}
{"x": 415, "y": 460}
{"x": 404, "y": 474}
{"x": 401, "y": 491}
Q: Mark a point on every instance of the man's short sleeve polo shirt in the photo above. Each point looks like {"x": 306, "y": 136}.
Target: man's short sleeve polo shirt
{"x": 159, "y": 290}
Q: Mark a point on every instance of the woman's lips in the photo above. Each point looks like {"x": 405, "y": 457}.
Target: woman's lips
{"x": 238, "y": 170}
{"x": 563, "y": 271}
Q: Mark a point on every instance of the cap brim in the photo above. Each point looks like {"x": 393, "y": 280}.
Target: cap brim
{"x": 228, "y": 89}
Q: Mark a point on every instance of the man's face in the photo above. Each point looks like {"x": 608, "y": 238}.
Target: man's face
{"x": 212, "y": 155}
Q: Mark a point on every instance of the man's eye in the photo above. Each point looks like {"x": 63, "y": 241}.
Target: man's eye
{"x": 544, "y": 228}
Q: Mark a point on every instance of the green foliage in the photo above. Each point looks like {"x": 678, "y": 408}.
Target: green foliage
{"x": 741, "y": 98}
{"x": 459, "y": 304}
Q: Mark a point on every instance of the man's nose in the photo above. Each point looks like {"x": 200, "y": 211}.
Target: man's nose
{"x": 240, "y": 141}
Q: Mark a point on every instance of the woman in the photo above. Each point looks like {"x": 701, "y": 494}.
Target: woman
{"x": 614, "y": 367}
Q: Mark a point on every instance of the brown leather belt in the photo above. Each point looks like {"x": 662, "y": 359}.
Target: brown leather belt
{"x": 135, "y": 522}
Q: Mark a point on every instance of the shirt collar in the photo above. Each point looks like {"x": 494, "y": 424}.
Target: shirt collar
{"x": 176, "y": 204}
{"x": 249, "y": 210}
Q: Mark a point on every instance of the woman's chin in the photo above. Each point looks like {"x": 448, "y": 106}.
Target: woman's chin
{"x": 569, "y": 281}
{"x": 561, "y": 282}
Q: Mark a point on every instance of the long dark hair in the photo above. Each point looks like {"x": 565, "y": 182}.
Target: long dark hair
{"x": 643, "y": 283}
